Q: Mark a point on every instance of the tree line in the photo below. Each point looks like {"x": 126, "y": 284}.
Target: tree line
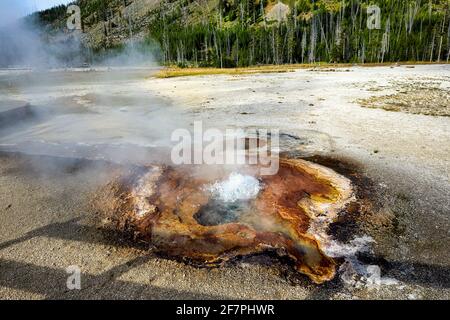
{"x": 237, "y": 33}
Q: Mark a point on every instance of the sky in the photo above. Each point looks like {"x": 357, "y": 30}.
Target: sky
{"x": 13, "y": 9}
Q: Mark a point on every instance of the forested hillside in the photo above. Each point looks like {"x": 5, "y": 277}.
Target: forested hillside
{"x": 228, "y": 33}
{"x": 238, "y": 33}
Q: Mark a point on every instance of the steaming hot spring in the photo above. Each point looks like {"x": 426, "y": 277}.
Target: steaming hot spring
{"x": 211, "y": 216}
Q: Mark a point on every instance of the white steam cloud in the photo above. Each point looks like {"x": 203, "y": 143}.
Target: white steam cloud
{"x": 24, "y": 43}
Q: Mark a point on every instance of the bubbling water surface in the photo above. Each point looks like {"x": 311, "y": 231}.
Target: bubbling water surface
{"x": 237, "y": 187}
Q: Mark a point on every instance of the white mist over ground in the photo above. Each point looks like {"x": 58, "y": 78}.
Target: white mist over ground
{"x": 27, "y": 43}
{"x": 52, "y": 103}
{"x": 237, "y": 187}
{"x": 89, "y": 114}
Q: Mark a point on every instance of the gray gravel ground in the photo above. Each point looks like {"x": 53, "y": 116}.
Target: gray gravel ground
{"x": 48, "y": 225}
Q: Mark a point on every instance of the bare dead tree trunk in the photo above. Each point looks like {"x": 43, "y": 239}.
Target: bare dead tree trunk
{"x": 432, "y": 47}
{"x": 440, "y": 48}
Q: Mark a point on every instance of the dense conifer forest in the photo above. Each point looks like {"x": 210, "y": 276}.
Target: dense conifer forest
{"x": 237, "y": 33}
{"x": 231, "y": 33}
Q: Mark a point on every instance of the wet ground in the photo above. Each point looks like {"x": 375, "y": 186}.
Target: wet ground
{"x": 398, "y": 160}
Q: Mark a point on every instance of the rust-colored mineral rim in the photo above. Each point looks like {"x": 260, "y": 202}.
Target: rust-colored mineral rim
{"x": 169, "y": 208}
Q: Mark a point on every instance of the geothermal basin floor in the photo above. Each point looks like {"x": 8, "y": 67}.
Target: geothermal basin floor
{"x": 47, "y": 221}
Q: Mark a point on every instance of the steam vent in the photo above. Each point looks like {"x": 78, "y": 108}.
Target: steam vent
{"x": 209, "y": 217}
